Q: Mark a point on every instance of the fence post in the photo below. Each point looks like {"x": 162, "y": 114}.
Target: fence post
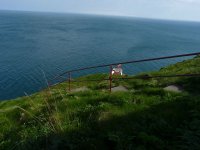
{"x": 69, "y": 81}
{"x": 110, "y": 78}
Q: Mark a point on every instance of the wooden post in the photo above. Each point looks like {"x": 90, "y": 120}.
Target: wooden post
{"x": 110, "y": 78}
{"x": 69, "y": 81}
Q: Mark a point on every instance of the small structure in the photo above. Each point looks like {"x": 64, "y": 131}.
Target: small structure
{"x": 118, "y": 70}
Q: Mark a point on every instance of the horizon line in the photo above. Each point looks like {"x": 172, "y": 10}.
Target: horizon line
{"x": 106, "y": 15}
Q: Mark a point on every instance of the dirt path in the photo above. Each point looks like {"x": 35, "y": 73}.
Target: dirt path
{"x": 81, "y": 89}
{"x": 119, "y": 88}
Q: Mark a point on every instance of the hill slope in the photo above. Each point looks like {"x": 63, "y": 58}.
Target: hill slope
{"x": 144, "y": 117}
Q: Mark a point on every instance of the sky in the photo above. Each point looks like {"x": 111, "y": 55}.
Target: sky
{"x": 160, "y": 9}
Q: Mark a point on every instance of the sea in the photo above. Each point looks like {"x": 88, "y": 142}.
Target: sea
{"x": 37, "y": 46}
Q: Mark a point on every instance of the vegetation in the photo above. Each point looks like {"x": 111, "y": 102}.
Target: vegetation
{"x": 144, "y": 117}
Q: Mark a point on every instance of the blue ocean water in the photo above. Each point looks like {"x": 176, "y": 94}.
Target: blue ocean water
{"x": 34, "y": 45}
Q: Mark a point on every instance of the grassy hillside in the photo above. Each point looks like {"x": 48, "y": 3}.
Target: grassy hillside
{"x": 145, "y": 117}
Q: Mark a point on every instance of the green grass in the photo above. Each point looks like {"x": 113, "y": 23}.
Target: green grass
{"x": 145, "y": 117}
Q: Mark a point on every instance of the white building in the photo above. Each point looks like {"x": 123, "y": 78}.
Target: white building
{"x": 118, "y": 70}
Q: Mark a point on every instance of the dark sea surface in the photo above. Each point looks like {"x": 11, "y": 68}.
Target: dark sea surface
{"x": 34, "y": 45}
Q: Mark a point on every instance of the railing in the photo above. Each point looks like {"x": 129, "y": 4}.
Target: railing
{"x": 110, "y": 79}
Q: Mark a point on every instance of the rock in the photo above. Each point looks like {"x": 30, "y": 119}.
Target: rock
{"x": 174, "y": 88}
